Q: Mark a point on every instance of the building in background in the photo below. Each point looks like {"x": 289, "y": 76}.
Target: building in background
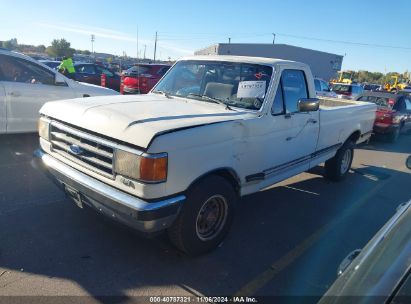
{"x": 323, "y": 65}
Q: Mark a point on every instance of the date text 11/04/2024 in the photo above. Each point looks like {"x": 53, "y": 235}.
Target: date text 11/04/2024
{"x": 187, "y": 299}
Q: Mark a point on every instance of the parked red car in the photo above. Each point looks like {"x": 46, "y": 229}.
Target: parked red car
{"x": 393, "y": 113}
{"x": 141, "y": 78}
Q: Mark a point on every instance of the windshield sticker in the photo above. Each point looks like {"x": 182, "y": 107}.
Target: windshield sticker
{"x": 251, "y": 89}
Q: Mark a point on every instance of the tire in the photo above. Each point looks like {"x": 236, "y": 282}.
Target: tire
{"x": 336, "y": 168}
{"x": 393, "y": 136}
{"x": 213, "y": 195}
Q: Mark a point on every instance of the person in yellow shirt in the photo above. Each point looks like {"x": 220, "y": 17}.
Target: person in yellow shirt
{"x": 66, "y": 67}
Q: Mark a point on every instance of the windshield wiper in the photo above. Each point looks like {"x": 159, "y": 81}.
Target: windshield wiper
{"x": 162, "y": 93}
{"x": 212, "y": 99}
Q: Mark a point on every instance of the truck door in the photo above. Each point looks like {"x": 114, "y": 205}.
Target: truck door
{"x": 3, "y": 117}
{"x": 27, "y": 87}
{"x": 294, "y": 134}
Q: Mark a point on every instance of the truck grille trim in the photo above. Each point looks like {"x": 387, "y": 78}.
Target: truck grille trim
{"x": 87, "y": 151}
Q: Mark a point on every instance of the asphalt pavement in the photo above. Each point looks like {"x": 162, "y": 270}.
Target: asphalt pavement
{"x": 286, "y": 241}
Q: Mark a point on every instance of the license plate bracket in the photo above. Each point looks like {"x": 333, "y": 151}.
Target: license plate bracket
{"x": 74, "y": 194}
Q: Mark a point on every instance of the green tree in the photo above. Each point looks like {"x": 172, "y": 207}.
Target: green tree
{"x": 10, "y": 44}
{"x": 60, "y": 48}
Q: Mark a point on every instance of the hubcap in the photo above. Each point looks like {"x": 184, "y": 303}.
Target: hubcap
{"x": 211, "y": 218}
{"x": 346, "y": 160}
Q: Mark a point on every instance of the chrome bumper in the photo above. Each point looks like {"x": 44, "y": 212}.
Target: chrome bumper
{"x": 144, "y": 216}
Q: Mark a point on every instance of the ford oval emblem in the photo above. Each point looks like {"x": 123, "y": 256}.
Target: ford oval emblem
{"x": 76, "y": 149}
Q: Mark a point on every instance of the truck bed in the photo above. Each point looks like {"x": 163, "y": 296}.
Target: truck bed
{"x": 336, "y": 114}
{"x": 327, "y": 102}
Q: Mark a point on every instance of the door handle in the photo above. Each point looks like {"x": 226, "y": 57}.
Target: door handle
{"x": 312, "y": 120}
{"x": 15, "y": 93}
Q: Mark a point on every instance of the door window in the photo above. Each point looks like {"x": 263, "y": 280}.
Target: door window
{"x": 85, "y": 69}
{"x": 19, "y": 70}
{"x": 278, "y": 105}
{"x": 408, "y": 104}
{"x": 324, "y": 86}
{"x": 163, "y": 70}
{"x": 101, "y": 70}
{"x": 317, "y": 85}
{"x": 294, "y": 88}
{"x": 400, "y": 105}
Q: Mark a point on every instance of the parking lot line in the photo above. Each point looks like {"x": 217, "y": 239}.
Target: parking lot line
{"x": 276, "y": 267}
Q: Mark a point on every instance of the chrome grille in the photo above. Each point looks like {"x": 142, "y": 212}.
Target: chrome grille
{"x": 88, "y": 151}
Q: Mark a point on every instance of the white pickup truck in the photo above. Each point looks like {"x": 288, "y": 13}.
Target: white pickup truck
{"x": 26, "y": 85}
{"x": 214, "y": 129}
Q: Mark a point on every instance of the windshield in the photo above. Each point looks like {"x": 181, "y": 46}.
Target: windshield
{"x": 235, "y": 84}
{"x": 138, "y": 70}
{"x": 341, "y": 88}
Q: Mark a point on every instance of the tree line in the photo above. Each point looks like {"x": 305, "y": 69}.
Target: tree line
{"x": 362, "y": 76}
{"x": 58, "y": 48}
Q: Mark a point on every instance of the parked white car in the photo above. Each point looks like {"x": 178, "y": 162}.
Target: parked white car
{"x": 322, "y": 89}
{"x": 26, "y": 84}
{"x": 215, "y": 128}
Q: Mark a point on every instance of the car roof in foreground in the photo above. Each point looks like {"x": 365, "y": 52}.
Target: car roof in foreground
{"x": 25, "y": 57}
{"x": 382, "y": 264}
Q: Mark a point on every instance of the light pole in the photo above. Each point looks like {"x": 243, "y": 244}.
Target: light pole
{"x": 93, "y": 38}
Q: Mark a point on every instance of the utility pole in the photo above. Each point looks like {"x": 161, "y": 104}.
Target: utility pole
{"x": 137, "y": 43}
{"x": 273, "y": 38}
{"x": 93, "y": 38}
{"x": 145, "y": 46}
{"x": 229, "y": 40}
{"x": 155, "y": 48}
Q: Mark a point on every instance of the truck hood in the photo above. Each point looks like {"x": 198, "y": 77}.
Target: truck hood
{"x": 137, "y": 119}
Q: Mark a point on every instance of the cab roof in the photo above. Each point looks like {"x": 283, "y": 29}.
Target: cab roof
{"x": 245, "y": 59}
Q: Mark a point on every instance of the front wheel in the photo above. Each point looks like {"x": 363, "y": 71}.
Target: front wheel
{"x": 205, "y": 217}
{"x": 336, "y": 168}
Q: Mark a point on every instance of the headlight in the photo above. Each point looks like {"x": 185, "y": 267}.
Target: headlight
{"x": 146, "y": 168}
{"x": 43, "y": 127}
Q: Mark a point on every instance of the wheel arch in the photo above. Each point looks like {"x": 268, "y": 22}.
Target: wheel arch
{"x": 355, "y": 136}
{"x": 225, "y": 172}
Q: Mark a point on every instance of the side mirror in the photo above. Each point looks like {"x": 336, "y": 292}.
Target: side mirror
{"x": 308, "y": 104}
{"x": 408, "y": 162}
{"x": 60, "y": 80}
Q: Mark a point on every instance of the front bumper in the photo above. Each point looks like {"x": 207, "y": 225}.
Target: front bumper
{"x": 147, "y": 217}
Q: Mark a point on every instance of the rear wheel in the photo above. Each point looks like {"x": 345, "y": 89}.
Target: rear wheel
{"x": 206, "y": 216}
{"x": 336, "y": 168}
